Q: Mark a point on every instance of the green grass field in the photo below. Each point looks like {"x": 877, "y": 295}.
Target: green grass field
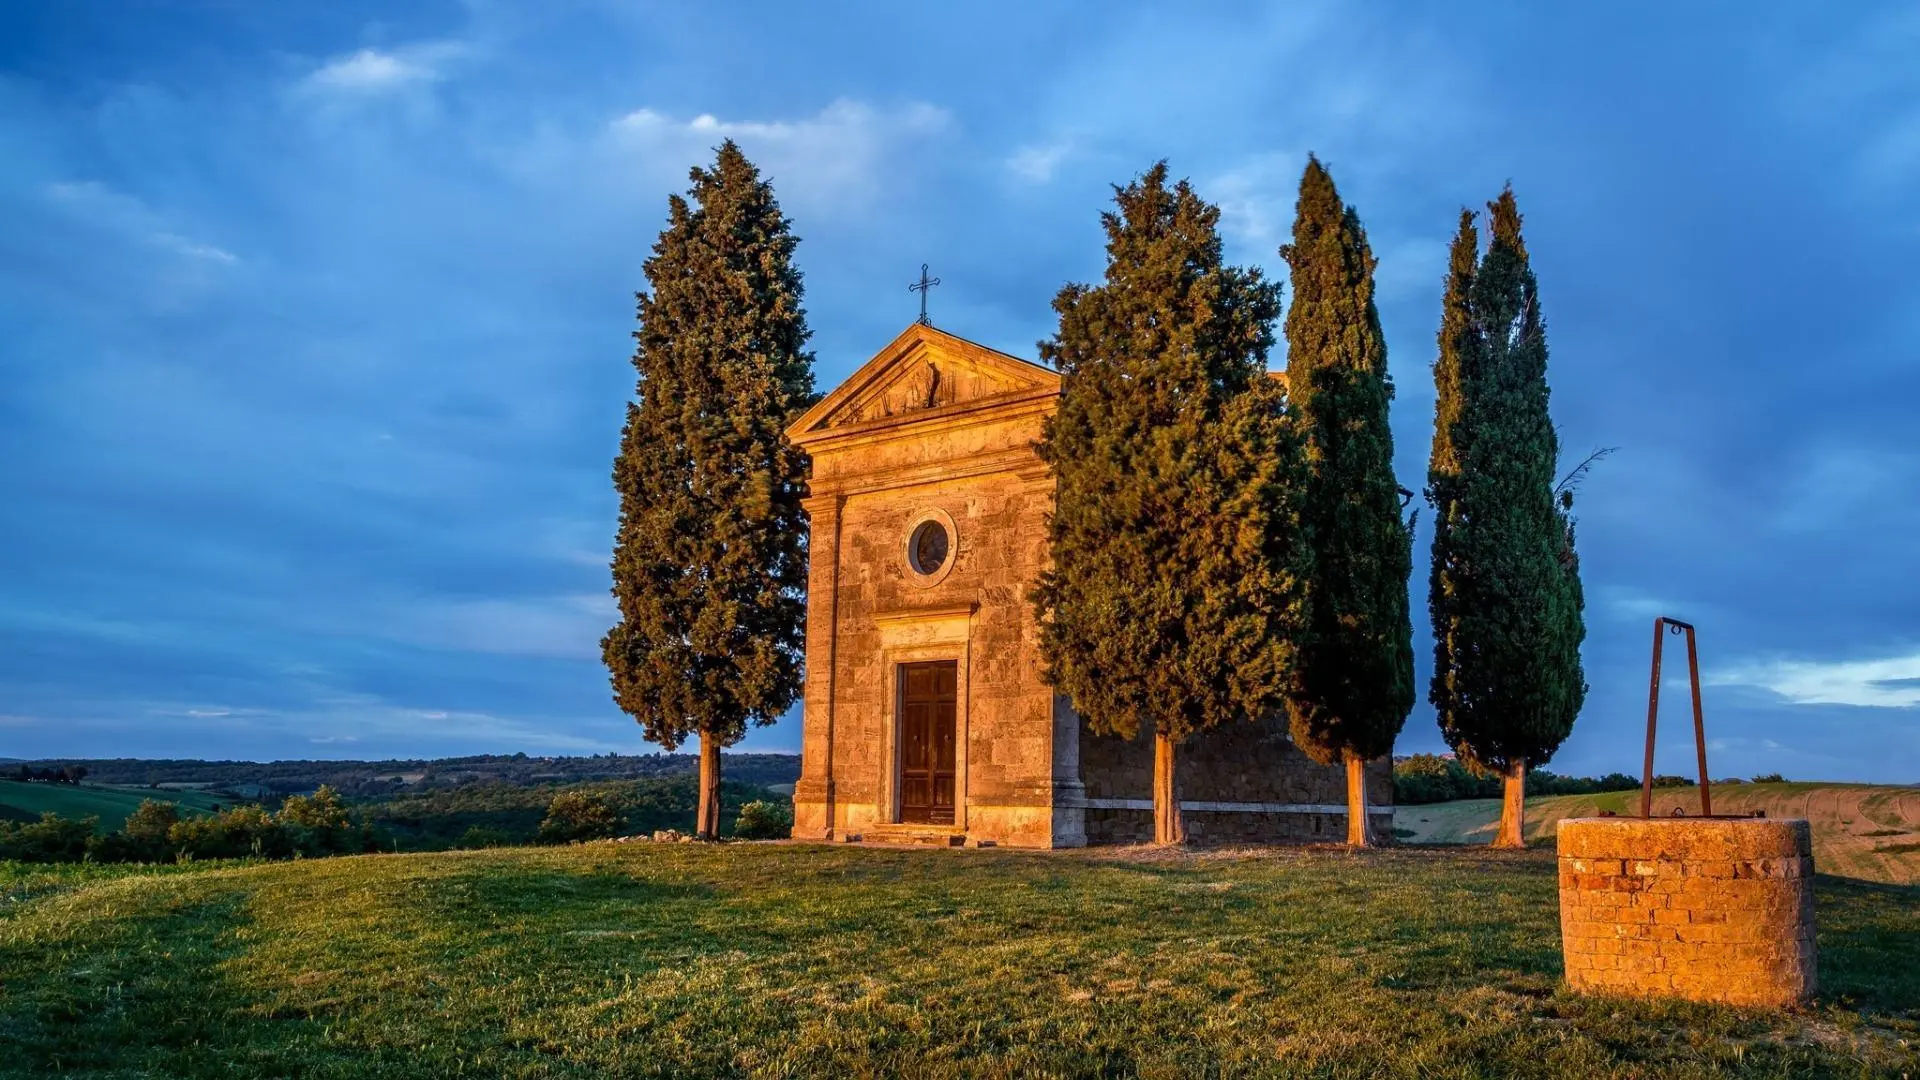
{"x": 1862, "y": 831}
{"x": 795, "y": 960}
{"x": 110, "y": 804}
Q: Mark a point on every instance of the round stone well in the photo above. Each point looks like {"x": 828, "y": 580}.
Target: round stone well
{"x": 1710, "y": 909}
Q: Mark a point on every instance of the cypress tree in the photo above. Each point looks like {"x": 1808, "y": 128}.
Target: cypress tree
{"x": 1458, "y": 352}
{"x": 1354, "y": 684}
{"x": 1506, "y": 596}
{"x": 1174, "y": 594}
{"x": 709, "y": 564}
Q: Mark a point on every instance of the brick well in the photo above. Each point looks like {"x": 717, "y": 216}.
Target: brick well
{"x": 1710, "y": 909}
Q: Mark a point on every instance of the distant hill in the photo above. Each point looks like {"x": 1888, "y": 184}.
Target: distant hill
{"x": 1866, "y": 831}
{"x": 375, "y": 779}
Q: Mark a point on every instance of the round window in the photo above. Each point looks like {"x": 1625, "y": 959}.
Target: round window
{"x": 927, "y": 547}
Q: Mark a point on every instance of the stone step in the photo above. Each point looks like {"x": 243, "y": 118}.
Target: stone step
{"x": 903, "y": 833}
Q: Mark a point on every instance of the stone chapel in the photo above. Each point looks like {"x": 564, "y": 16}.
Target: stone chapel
{"x": 926, "y": 714}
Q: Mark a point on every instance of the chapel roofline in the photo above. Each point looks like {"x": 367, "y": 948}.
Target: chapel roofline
{"x": 1030, "y": 385}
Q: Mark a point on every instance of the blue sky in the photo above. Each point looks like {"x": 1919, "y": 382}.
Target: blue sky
{"x": 314, "y": 321}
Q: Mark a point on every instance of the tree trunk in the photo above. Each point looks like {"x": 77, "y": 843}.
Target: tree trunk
{"x": 1513, "y": 807}
{"x": 1359, "y": 826}
{"x": 706, "y": 823}
{"x": 1168, "y": 826}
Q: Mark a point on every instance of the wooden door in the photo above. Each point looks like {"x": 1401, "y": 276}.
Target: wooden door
{"x": 927, "y": 722}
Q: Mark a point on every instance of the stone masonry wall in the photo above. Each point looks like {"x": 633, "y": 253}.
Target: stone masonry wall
{"x": 1710, "y": 909}
{"x": 1235, "y": 763}
{"x": 1006, "y": 710}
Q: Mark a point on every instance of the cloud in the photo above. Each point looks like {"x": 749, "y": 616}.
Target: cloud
{"x": 1889, "y": 683}
{"x": 115, "y": 211}
{"x": 833, "y": 158}
{"x": 1628, "y": 602}
{"x": 567, "y": 627}
{"x": 371, "y": 71}
{"x": 1256, "y": 198}
{"x": 1036, "y": 164}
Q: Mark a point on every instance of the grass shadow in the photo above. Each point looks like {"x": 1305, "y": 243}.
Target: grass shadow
{"x": 1869, "y": 947}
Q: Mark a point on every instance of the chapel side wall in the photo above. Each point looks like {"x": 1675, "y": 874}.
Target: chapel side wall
{"x": 1005, "y": 713}
{"x": 1233, "y": 763}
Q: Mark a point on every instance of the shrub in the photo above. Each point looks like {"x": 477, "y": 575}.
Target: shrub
{"x": 578, "y": 815}
{"x": 321, "y": 810}
{"x": 479, "y": 836}
{"x": 232, "y": 834}
{"x": 49, "y": 840}
{"x": 1770, "y": 778}
{"x": 145, "y": 837}
{"x": 320, "y": 825}
{"x": 763, "y": 820}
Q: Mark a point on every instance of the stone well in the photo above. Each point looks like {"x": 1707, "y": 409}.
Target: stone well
{"x": 1711, "y": 909}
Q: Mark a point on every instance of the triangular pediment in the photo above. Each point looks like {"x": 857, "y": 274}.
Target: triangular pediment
{"x": 922, "y": 373}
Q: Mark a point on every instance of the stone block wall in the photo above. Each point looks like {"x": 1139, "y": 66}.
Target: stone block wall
{"x": 1709, "y": 909}
{"x": 1250, "y": 765}
{"x": 1005, "y": 709}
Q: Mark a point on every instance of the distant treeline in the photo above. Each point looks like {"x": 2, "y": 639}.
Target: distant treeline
{"x": 1432, "y": 778}
{"x": 324, "y": 823}
{"x": 372, "y": 779}
{"x": 29, "y": 774}
{"x": 493, "y": 815}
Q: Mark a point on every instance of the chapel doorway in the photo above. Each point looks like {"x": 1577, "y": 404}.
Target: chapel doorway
{"x": 927, "y": 722}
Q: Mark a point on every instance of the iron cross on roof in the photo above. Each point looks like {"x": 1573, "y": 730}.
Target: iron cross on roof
{"x": 923, "y": 286}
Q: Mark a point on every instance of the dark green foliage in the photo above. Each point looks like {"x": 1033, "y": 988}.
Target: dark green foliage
{"x": 151, "y": 823}
{"x": 144, "y": 837}
{"x": 1174, "y": 593}
{"x": 1505, "y": 593}
{"x": 1430, "y": 778}
{"x": 1770, "y": 778}
{"x": 322, "y": 824}
{"x": 48, "y": 840}
{"x": 762, "y": 820}
{"x": 709, "y": 565}
{"x": 156, "y": 832}
{"x": 579, "y": 815}
{"x": 509, "y": 814}
{"x": 479, "y": 836}
{"x": 236, "y": 833}
{"x": 1354, "y": 684}
{"x": 245, "y": 780}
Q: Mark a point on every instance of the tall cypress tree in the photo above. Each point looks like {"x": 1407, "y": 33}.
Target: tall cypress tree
{"x": 1459, "y": 353}
{"x": 709, "y": 564}
{"x": 1506, "y": 595}
{"x": 1354, "y": 684}
{"x": 1174, "y": 595}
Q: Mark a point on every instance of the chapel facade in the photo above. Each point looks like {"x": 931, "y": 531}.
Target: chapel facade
{"x": 926, "y": 715}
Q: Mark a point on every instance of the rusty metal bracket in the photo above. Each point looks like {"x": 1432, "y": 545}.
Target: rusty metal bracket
{"x": 1675, "y": 626}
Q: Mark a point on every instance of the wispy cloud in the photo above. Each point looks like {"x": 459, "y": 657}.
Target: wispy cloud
{"x": 376, "y": 71}
{"x": 1891, "y": 683}
{"x": 119, "y": 212}
{"x": 562, "y": 627}
{"x": 832, "y": 158}
{"x": 1036, "y": 164}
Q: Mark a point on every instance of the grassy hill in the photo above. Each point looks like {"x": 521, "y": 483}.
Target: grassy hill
{"x": 110, "y": 804}
{"x": 1859, "y": 830}
{"x": 796, "y": 960}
